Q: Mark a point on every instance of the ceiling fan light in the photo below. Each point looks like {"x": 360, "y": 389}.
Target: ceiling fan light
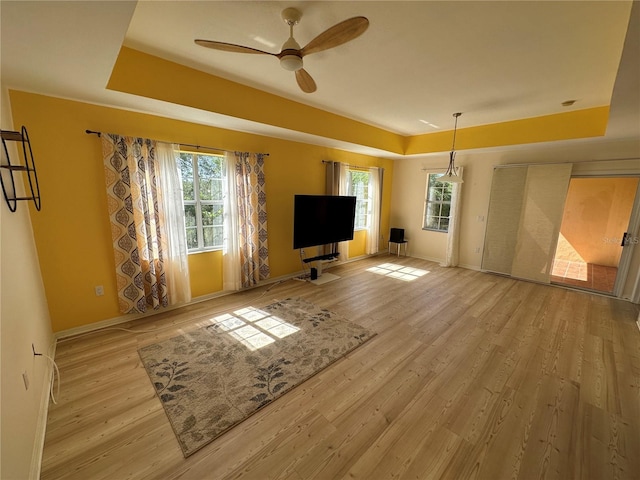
{"x": 291, "y": 62}
{"x": 451, "y": 175}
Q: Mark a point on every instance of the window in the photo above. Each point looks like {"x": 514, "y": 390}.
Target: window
{"x": 202, "y": 198}
{"x": 359, "y": 188}
{"x": 438, "y": 204}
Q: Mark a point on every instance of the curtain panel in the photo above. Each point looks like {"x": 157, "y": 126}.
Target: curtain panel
{"x": 247, "y": 188}
{"x": 337, "y": 183}
{"x": 137, "y": 223}
{"x": 453, "y": 234}
{"x": 176, "y": 255}
{"x": 144, "y": 193}
{"x": 375, "y": 206}
{"x": 231, "y": 270}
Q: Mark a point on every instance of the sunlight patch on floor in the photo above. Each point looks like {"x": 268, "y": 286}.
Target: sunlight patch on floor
{"x": 253, "y": 327}
{"x": 568, "y": 263}
{"x": 407, "y": 274}
{"x": 569, "y": 269}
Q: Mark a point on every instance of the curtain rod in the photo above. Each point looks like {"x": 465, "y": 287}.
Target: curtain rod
{"x": 99, "y": 134}
{"x": 353, "y": 166}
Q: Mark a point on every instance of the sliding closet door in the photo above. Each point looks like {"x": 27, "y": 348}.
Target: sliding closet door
{"x": 523, "y": 224}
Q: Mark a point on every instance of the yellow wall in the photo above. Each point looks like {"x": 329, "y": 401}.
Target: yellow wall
{"x": 596, "y": 213}
{"x": 205, "y": 273}
{"x": 358, "y": 246}
{"x": 143, "y": 74}
{"x": 590, "y": 122}
{"x": 72, "y": 230}
{"x": 24, "y": 321}
{"x": 153, "y": 77}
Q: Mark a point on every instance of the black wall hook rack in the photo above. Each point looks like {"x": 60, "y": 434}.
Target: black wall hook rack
{"x": 8, "y": 180}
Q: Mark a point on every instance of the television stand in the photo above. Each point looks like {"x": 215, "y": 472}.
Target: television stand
{"x": 328, "y": 256}
{"x": 319, "y": 261}
{"x": 324, "y": 278}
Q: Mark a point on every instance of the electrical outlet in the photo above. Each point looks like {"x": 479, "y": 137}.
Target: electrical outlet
{"x": 99, "y": 290}
{"x": 25, "y": 379}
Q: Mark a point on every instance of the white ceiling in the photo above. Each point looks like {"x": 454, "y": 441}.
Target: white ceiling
{"x": 419, "y": 60}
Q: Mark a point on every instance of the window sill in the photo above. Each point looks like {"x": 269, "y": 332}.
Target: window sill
{"x": 208, "y": 250}
{"x": 434, "y": 230}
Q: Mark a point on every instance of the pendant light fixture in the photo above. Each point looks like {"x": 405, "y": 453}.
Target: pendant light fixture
{"x": 451, "y": 175}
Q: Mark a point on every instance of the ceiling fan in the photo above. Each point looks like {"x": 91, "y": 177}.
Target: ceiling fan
{"x": 291, "y": 54}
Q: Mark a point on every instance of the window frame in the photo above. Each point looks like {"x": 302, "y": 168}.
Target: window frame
{"x": 429, "y": 200}
{"x": 365, "y": 199}
{"x": 198, "y": 203}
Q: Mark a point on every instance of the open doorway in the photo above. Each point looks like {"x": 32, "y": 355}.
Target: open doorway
{"x": 596, "y": 215}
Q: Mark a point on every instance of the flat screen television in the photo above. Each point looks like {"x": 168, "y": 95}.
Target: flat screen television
{"x": 322, "y": 219}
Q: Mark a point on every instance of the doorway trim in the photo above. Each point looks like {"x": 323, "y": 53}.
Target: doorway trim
{"x": 627, "y": 253}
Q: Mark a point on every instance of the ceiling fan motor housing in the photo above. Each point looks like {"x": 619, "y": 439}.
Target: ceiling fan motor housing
{"x": 290, "y": 58}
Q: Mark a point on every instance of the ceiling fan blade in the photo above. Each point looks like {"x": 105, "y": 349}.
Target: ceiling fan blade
{"x": 230, "y": 47}
{"x": 305, "y": 82}
{"x": 340, "y": 33}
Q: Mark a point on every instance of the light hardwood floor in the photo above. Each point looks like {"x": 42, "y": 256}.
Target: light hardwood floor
{"x": 471, "y": 375}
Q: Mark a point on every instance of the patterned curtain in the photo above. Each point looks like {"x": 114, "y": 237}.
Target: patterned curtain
{"x": 137, "y": 224}
{"x": 252, "y": 217}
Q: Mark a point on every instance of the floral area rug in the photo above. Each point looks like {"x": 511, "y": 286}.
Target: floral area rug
{"x": 215, "y": 377}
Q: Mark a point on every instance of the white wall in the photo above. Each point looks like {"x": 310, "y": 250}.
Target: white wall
{"x": 409, "y": 183}
{"x": 24, "y": 320}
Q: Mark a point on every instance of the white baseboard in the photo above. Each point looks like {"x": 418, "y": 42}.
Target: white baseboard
{"x": 110, "y": 322}
{"x": 43, "y": 414}
{"x": 470, "y": 267}
{"x": 466, "y": 266}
